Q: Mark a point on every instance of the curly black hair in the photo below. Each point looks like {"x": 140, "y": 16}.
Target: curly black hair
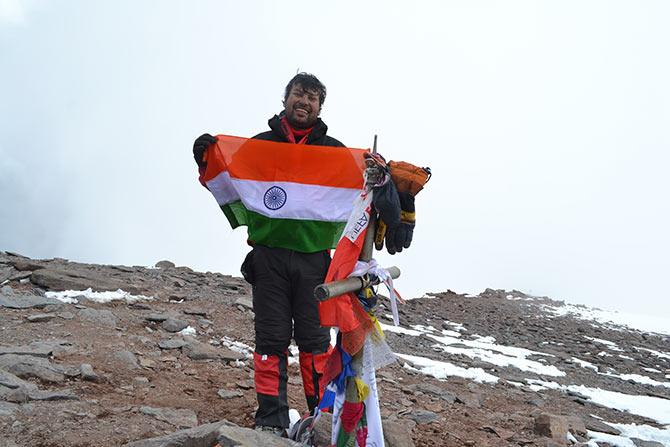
{"x": 308, "y": 82}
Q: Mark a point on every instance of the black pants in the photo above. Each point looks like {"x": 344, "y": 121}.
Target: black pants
{"x": 284, "y": 305}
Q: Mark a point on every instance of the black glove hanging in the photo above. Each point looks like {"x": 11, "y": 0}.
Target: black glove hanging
{"x": 400, "y": 236}
{"x": 386, "y": 202}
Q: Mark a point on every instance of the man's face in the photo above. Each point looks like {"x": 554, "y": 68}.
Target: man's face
{"x": 302, "y": 107}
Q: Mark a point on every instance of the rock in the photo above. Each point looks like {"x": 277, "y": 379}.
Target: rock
{"x": 88, "y": 374}
{"x": 126, "y": 359}
{"x": 182, "y": 418}
{"x": 230, "y": 355}
{"x": 139, "y": 306}
{"x": 65, "y": 315}
{"x": 227, "y": 435}
{"x": 26, "y": 301}
{"x": 576, "y": 425}
{"x": 174, "y": 325}
{"x": 147, "y": 363}
{"x": 140, "y": 381}
{"x": 98, "y": 317}
{"x": 499, "y": 432}
{"x": 17, "y": 396}
{"x": 26, "y": 366}
{"x": 552, "y": 443}
{"x": 471, "y": 400}
{"x": 226, "y": 394}
{"x": 173, "y": 343}
{"x": 27, "y": 264}
{"x": 40, "y": 318}
{"x": 194, "y": 311}
{"x": 53, "y": 395}
{"x": 165, "y": 264}
{"x": 201, "y": 351}
{"x": 596, "y": 425}
{"x": 434, "y": 390}
{"x": 52, "y": 279}
{"x": 8, "y": 408}
{"x": 204, "y": 435}
{"x": 245, "y": 384}
{"x": 9, "y": 384}
{"x": 396, "y": 434}
{"x": 37, "y": 348}
{"x": 322, "y": 430}
{"x": 234, "y": 436}
{"x": 244, "y": 302}
{"x": 422, "y": 416}
{"x": 551, "y": 426}
{"x": 642, "y": 443}
{"x": 5, "y": 274}
{"x": 157, "y": 318}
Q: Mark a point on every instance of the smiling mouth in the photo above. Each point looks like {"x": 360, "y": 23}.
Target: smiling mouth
{"x": 301, "y": 110}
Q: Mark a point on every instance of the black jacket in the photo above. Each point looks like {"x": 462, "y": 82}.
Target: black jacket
{"x": 317, "y": 137}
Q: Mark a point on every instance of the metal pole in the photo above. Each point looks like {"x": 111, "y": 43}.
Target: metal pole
{"x": 325, "y": 291}
{"x": 368, "y": 244}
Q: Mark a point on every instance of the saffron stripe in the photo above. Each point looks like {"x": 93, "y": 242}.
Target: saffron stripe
{"x": 250, "y": 159}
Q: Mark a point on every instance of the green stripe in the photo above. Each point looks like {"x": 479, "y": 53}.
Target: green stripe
{"x": 307, "y": 236}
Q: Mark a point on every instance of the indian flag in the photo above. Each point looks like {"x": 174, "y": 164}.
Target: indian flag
{"x": 291, "y": 196}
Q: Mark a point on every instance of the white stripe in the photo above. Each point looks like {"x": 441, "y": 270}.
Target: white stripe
{"x": 222, "y": 189}
{"x": 300, "y": 201}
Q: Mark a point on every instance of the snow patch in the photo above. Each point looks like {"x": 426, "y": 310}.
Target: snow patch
{"x": 645, "y": 323}
{"x": 663, "y": 355}
{"x": 237, "y": 346}
{"x": 484, "y": 349}
{"x": 644, "y": 432}
{"x": 442, "y": 370}
{"x": 647, "y": 406}
{"x": 610, "y": 344}
{"x": 71, "y": 296}
{"x": 639, "y": 379}
{"x": 613, "y": 440}
{"x": 457, "y": 326}
{"x": 294, "y": 358}
{"x": 585, "y": 364}
{"x": 188, "y": 330}
{"x": 399, "y": 330}
{"x": 518, "y": 298}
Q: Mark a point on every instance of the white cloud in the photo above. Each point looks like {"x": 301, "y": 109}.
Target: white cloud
{"x": 543, "y": 123}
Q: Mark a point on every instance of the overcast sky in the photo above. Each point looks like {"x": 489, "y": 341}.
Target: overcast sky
{"x": 546, "y": 125}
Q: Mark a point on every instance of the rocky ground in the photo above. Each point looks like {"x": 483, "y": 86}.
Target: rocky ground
{"x": 90, "y": 373}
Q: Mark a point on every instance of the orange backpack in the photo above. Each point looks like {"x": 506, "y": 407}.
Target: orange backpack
{"x": 407, "y": 177}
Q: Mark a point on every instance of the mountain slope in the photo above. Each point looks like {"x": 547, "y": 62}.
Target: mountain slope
{"x": 172, "y": 352}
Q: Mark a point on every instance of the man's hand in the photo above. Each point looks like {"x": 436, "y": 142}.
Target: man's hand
{"x": 200, "y": 146}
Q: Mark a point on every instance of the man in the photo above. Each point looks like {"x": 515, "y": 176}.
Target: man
{"x": 283, "y": 279}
